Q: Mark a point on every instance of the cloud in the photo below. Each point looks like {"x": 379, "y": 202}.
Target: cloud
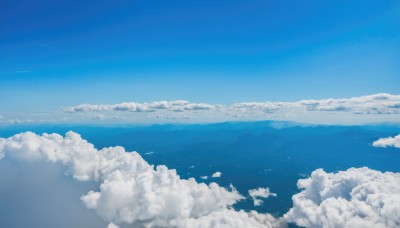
{"x": 363, "y": 109}
{"x": 216, "y": 174}
{"x": 372, "y": 104}
{"x": 132, "y": 191}
{"x": 112, "y": 225}
{"x": 257, "y": 193}
{"x": 170, "y": 117}
{"x": 204, "y": 177}
{"x": 388, "y": 142}
{"x": 98, "y": 116}
{"x": 381, "y": 103}
{"x": 175, "y": 106}
{"x": 39, "y": 194}
{"x": 356, "y": 110}
{"x": 357, "y": 197}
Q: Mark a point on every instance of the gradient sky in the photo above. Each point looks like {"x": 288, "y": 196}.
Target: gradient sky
{"x": 61, "y": 53}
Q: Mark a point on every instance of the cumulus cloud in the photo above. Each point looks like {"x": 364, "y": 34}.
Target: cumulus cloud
{"x": 258, "y": 193}
{"x": 357, "y": 197}
{"x": 388, "y": 142}
{"x": 204, "y": 177}
{"x": 132, "y": 191}
{"x": 216, "y": 174}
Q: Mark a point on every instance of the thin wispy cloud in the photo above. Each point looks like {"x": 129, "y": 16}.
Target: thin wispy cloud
{"x": 22, "y": 71}
{"x": 41, "y": 44}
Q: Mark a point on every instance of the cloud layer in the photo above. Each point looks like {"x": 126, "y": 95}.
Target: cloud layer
{"x": 353, "y": 198}
{"x": 363, "y": 109}
{"x": 372, "y": 104}
{"x": 388, "y": 142}
{"x": 174, "y": 106}
{"x": 374, "y": 108}
{"x": 133, "y": 192}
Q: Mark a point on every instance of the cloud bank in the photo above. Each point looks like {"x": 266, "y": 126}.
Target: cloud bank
{"x": 388, "y": 142}
{"x": 133, "y": 192}
{"x": 372, "y": 104}
{"x": 174, "y": 106}
{"x": 374, "y": 108}
{"x": 363, "y": 109}
{"x": 353, "y": 198}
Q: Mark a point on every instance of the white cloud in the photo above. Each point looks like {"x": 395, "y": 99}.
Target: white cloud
{"x": 170, "y": 117}
{"x": 388, "y": 142}
{"x": 112, "y": 225}
{"x": 257, "y": 193}
{"x": 97, "y": 116}
{"x": 363, "y": 109}
{"x": 371, "y": 104}
{"x": 216, "y": 174}
{"x": 357, "y": 197}
{"x": 204, "y": 177}
{"x": 175, "y": 106}
{"x": 133, "y": 192}
{"x": 356, "y": 110}
{"x": 229, "y": 218}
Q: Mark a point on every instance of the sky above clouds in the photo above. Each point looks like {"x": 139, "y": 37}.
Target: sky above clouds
{"x": 61, "y": 54}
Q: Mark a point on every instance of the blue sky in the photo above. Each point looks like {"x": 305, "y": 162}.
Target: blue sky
{"x": 62, "y": 53}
